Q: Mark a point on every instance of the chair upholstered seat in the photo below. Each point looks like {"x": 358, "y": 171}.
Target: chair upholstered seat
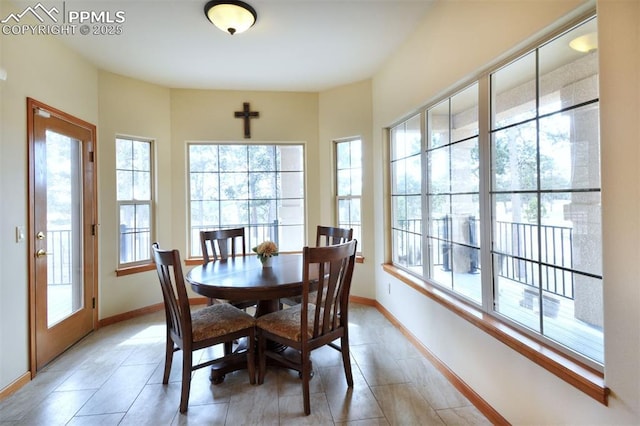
{"x": 286, "y": 322}
{"x": 217, "y": 320}
{"x": 313, "y": 297}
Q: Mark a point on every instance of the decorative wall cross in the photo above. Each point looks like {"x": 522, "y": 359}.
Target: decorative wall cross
{"x": 246, "y": 114}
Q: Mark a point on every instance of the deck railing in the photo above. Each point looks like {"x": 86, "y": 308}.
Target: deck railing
{"x": 526, "y": 253}
{"x": 519, "y": 256}
{"x": 135, "y": 244}
{"x": 538, "y": 256}
{"x": 59, "y": 261}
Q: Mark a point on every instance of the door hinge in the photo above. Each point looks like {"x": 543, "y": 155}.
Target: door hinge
{"x": 91, "y": 156}
{"x": 93, "y": 230}
{"x": 93, "y": 302}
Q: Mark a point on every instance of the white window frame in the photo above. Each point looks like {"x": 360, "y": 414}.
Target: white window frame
{"x": 146, "y": 203}
{"x": 356, "y": 226}
{"x": 398, "y": 258}
{"x": 258, "y": 232}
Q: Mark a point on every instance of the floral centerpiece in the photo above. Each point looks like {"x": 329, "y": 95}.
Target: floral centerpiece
{"x": 265, "y": 251}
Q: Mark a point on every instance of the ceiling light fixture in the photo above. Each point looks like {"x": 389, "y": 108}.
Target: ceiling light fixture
{"x": 233, "y": 17}
{"x": 586, "y": 43}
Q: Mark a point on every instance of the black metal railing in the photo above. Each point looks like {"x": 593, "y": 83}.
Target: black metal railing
{"x": 526, "y": 253}
{"x": 442, "y": 235}
{"x": 59, "y": 259}
{"x": 407, "y": 240}
{"x": 135, "y": 244}
{"x": 519, "y": 255}
{"x": 538, "y": 256}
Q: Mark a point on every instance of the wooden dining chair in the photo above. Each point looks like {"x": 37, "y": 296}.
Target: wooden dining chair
{"x": 325, "y": 236}
{"x": 306, "y": 326}
{"x": 190, "y": 331}
{"x": 329, "y": 235}
{"x": 221, "y": 244}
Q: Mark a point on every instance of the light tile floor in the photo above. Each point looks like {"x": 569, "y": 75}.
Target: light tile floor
{"x": 114, "y": 377}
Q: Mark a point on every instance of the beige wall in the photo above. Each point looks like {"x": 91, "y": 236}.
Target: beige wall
{"x": 202, "y": 115}
{"x": 172, "y": 118}
{"x": 130, "y": 107}
{"x": 444, "y": 51}
{"x": 346, "y": 112}
{"x": 619, "y": 38}
{"x": 455, "y": 42}
{"x": 72, "y": 86}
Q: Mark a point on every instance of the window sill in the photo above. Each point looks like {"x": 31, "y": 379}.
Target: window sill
{"x": 135, "y": 269}
{"x": 578, "y": 375}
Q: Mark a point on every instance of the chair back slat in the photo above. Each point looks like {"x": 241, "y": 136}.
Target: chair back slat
{"x": 329, "y": 235}
{"x": 222, "y": 243}
{"x": 170, "y": 298}
{"x": 174, "y": 292}
{"x": 335, "y": 269}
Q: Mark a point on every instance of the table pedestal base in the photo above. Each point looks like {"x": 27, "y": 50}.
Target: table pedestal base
{"x": 218, "y": 371}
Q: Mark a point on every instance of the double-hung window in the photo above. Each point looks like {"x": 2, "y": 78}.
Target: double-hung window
{"x": 349, "y": 185}
{"x": 134, "y": 178}
{"x": 257, "y": 187}
{"x": 526, "y": 184}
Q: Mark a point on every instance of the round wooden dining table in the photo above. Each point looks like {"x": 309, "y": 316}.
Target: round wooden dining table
{"x": 244, "y": 278}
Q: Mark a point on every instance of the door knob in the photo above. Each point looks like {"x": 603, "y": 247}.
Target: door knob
{"x": 41, "y": 253}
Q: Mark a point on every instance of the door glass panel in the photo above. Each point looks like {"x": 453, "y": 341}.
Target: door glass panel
{"x": 64, "y": 213}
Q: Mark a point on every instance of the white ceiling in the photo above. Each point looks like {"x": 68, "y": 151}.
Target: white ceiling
{"x": 295, "y": 45}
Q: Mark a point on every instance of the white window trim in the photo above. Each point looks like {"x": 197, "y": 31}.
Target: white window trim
{"x": 150, "y": 203}
{"x": 578, "y": 371}
{"x": 338, "y": 198}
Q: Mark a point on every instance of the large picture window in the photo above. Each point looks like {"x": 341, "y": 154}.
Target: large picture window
{"x": 545, "y": 194}
{"x": 258, "y": 187}
{"x": 536, "y": 174}
{"x": 134, "y": 194}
